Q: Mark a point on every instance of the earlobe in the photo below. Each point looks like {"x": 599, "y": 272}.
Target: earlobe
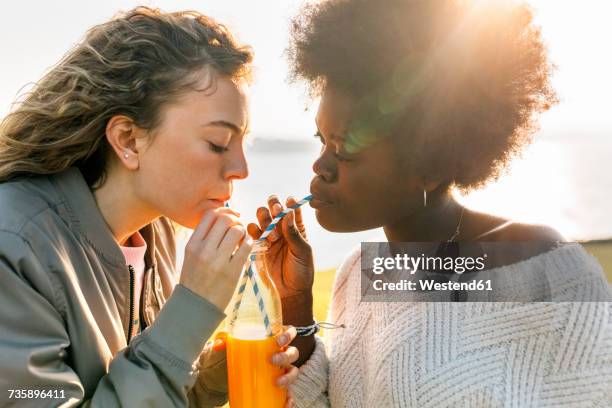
{"x": 120, "y": 133}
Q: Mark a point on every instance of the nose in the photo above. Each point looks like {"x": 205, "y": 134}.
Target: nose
{"x": 325, "y": 166}
{"x": 237, "y": 167}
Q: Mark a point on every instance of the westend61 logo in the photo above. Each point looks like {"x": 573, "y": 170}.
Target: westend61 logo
{"x": 413, "y": 264}
{"x": 444, "y": 264}
{"x": 476, "y": 272}
{"x": 423, "y": 271}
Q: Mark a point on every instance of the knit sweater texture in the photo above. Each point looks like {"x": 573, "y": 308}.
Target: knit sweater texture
{"x": 467, "y": 354}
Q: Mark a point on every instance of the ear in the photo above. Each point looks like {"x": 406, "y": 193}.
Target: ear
{"x": 429, "y": 188}
{"x": 121, "y": 133}
{"x": 431, "y": 185}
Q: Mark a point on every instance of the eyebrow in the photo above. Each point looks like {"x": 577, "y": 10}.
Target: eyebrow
{"x": 336, "y": 138}
{"x": 229, "y": 125}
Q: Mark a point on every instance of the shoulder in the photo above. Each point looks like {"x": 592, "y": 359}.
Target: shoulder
{"x": 23, "y": 200}
{"x": 34, "y": 226}
{"x": 530, "y": 232}
{"x": 20, "y": 259}
{"x": 510, "y": 242}
{"x": 487, "y": 227}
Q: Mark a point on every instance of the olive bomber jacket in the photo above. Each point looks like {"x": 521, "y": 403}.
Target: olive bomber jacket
{"x": 65, "y": 308}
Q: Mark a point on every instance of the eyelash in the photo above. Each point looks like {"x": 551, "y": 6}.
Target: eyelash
{"x": 338, "y": 157}
{"x": 217, "y": 149}
{"x": 319, "y": 136}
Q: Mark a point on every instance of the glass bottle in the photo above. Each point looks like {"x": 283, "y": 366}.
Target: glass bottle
{"x": 255, "y": 321}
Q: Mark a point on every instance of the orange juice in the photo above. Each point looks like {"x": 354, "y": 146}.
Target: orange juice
{"x": 255, "y": 319}
{"x": 251, "y": 374}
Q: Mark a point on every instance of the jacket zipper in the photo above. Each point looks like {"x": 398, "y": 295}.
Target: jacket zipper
{"x": 132, "y": 289}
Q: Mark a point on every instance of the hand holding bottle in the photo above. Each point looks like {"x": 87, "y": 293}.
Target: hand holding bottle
{"x": 290, "y": 263}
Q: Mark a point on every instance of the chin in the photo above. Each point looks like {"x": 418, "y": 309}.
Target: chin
{"x": 333, "y": 223}
{"x": 337, "y": 221}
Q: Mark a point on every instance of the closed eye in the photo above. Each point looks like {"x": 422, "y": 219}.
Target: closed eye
{"x": 341, "y": 158}
{"x": 217, "y": 149}
{"x": 319, "y": 136}
{"x": 337, "y": 155}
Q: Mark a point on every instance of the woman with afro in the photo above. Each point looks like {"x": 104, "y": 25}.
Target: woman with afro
{"x": 419, "y": 98}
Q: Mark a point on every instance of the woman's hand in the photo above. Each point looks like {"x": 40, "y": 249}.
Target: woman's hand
{"x": 287, "y": 357}
{"x": 215, "y": 256}
{"x": 289, "y": 260}
{"x": 290, "y": 263}
{"x": 284, "y": 359}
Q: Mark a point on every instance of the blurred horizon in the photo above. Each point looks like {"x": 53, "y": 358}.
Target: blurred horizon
{"x": 31, "y": 42}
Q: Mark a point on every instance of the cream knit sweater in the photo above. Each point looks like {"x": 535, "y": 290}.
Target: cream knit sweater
{"x": 472, "y": 354}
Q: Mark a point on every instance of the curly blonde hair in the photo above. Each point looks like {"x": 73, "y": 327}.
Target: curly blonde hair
{"x": 132, "y": 65}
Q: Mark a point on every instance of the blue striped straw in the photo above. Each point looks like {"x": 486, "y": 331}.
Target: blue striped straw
{"x": 280, "y": 216}
{"x": 250, "y": 275}
{"x": 260, "y": 302}
{"x": 241, "y": 288}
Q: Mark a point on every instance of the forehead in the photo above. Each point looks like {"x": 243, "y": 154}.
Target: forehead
{"x": 335, "y": 112}
{"x": 217, "y": 99}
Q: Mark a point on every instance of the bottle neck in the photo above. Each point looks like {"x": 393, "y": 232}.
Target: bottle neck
{"x": 260, "y": 246}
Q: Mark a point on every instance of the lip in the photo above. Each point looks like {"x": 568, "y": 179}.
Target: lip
{"x": 318, "y": 204}
{"x": 318, "y": 200}
{"x": 217, "y": 202}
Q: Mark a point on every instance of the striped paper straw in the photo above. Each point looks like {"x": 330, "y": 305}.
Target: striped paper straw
{"x": 250, "y": 275}
{"x": 280, "y": 216}
{"x": 241, "y": 288}
{"x": 260, "y": 302}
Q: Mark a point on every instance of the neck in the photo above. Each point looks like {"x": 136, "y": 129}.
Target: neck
{"x": 123, "y": 212}
{"x": 435, "y": 223}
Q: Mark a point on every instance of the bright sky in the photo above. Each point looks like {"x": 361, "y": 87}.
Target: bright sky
{"x": 35, "y": 34}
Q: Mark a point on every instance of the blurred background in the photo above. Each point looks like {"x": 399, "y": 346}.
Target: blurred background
{"x": 564, "y": 179}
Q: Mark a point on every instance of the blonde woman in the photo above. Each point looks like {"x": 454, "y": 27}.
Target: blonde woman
{"x": 140, "y": 125}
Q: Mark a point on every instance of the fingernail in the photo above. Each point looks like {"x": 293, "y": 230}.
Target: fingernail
{"x": 282, "y": 340}
{"x": 277, "y": 209}
{"x": 219, "y": 345}
{"x": 282, "y": 381}
{"x": 277, "y": 360}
